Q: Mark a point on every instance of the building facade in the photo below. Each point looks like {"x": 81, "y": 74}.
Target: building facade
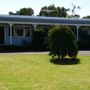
{"x": 18, "y": 30}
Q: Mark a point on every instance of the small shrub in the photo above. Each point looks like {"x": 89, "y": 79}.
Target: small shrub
{"x": 38, "y": 39}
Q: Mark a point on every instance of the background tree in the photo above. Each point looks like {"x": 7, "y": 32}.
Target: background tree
{"x": 23, "y": 11}
{"x": 73, "y": 11}
{"x": 62, "y": 42}
{"x": 53, "y": 11}
{"x": 62, "y": 12}
{"x": 87, "y": 17}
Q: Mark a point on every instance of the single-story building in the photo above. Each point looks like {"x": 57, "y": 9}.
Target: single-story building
{"x": 15, "y": 29}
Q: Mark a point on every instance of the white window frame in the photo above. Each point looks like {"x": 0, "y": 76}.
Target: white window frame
{"x": 24, "y": 31}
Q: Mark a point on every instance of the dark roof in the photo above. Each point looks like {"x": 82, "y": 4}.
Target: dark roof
{"x": 43, "y": 20}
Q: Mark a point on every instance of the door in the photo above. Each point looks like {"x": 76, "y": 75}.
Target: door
{"x": 1, "y": 34}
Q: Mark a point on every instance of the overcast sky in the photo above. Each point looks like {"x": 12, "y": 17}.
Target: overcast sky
{"x": 14, "y": 5}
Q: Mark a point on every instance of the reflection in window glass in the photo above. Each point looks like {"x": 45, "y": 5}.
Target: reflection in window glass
{"x": 21, "y": 31}
{"x": 27, "y": 31}
{"x": 18, "y": 31}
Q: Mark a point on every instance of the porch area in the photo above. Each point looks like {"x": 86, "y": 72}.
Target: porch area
{"x": 15, "y": 34}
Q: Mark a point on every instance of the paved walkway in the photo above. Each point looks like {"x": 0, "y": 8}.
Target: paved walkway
{"x": 84, "y": 53}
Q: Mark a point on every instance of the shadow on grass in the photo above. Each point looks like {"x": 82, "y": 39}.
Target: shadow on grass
{"x": 65, "y": 61}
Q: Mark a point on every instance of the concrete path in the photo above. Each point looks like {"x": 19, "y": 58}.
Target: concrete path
{"x": 84, "y": 53}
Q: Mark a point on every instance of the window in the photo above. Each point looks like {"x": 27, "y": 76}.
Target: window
{"x": 21, "y": 31}
{"x": 27, "y": 31}
{"x": 18, "y": 31}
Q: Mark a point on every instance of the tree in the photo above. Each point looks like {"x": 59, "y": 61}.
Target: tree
{"x": 73, "y": 11}
{"x": 53, "y": 11}
{"x": 62, "y": 42}
{"x": 62, "y": 12}
{"x": 23, "y": 11}
{"x": 87, "y": 17}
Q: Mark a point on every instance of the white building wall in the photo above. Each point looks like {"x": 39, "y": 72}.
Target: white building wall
{"x": 16, "y": 40}
{"x": 6, "y": 39}
{"x": 19, "y": 40}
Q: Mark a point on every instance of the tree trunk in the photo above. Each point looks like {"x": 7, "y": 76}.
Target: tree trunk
{"x": 62, "y": 56}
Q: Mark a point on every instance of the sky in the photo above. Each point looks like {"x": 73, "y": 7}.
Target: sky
{"x": 14, "y": 5}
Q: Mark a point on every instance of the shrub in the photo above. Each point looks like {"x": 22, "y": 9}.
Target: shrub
{"x": 38, "y": 39}
{"x": 62, "y": 42}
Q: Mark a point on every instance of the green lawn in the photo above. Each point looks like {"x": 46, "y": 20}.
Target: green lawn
{"x": 36, "y": 72}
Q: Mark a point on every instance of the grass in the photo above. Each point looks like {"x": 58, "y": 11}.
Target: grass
{"x": 36, "y": 72}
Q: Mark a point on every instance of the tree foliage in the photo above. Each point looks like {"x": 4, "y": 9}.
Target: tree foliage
{"x": 53, "y": 11}
{"x": 86, "y": 17}
{"x": 73, "y": 10}
{"x": 62, "y": 42}
{"x": 23, "y": 11}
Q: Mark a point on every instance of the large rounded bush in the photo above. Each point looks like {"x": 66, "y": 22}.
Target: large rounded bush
{"x": 62, "y": 42}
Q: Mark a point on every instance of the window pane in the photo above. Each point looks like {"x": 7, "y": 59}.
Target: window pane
{"x": 27, "y": 31}
{"x": 18, "y": 31}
